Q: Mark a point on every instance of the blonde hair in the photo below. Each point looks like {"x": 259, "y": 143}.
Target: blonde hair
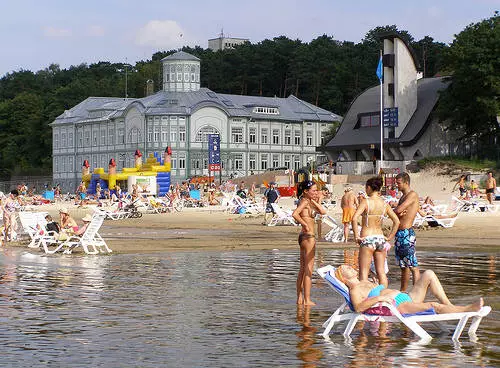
{"x": 339, "y": 276}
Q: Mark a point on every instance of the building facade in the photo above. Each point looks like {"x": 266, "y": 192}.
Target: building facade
{"x": 257, "y": 133}
{"x": 356, "y": 147}
{"x": 223, "y": 43}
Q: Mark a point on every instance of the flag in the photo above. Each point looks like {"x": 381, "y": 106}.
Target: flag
{"x": 380, "y": 69}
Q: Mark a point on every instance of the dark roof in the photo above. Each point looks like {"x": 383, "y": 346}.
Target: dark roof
{"x": 369, "y": 101}
{"x": 291, "y": 109}
{"x": 181, "y": 55}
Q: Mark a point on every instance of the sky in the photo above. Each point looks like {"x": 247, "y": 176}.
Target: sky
{"x": 37, "y": 33}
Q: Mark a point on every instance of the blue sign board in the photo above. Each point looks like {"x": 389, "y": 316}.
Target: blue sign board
{"x": 214, "y": 152}
{"x": 390, "y": 117}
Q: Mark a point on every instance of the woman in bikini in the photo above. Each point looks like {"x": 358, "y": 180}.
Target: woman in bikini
{"x": 365, "y": 294}
{"x": 304, "y": 214}
{"x": 372, "y": 242}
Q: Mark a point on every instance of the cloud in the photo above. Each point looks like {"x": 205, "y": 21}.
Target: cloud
{"x": 54, "y": 32}
{"x": 95, "y": 31}
{"x": 161, "y": 34}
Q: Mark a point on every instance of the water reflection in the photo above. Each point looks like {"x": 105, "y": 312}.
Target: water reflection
{"x": 306, "y": 349}
{"x": 214, "y": 309}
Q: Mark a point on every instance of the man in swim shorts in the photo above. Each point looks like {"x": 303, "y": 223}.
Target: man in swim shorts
{"x": 491, "y": 185}
{"x": 405, "y": 240}
{"x": 349, "y": 203}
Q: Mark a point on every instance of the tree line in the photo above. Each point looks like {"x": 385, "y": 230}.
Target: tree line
{"x": 325, "y": 72}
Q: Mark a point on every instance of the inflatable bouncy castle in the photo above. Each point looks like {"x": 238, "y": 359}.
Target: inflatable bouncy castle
{"x": 151, "y": 177}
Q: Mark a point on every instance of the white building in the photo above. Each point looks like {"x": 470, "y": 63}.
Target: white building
{"x": 223, "y": 43}
{"x": 257, "y": 133}
{"x": 417, "y": 132}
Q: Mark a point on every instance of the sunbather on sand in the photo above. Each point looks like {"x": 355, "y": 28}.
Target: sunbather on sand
{"x": 365, "y": 294}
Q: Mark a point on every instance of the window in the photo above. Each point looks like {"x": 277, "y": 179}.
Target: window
{"x": 203, "y": 132}
{"x": 238, "y": 161}
{"x": 172, "y": 73}
{"x": 276, "y": 136}
{"x": 63, "y": 140}
{"x": 186, "y": 77}
{"x": 94, "y": 138}
{"x": 296, "y": 163}
{"x": 252, "y": 161}
{"x": 164, "y": 134}
{"x": 80, "y": 139}
{"x": 252, "y": 133}
{"x": 173, "y": 134}
{"x": 150, "y": 133}
{"x": 193, "y": 78}
{"x": 134, "y": 136}
{"x": 156, "y": 136}
{"x": 121, "y": 135}
{"x": 266, "y": 110}
{"x": 195, "y": 164}
{"x": 182, "y": 133}
{"x": 288, "y": 137}
{"x": 70, "y": 164}
{"x": 276, "y": 160}
{"x": 173, "y": 163}
{"x": 111, "y": 136}
{"x": 286, "y": 161}
{"x": 368, "y": 120}
{"x": 103, "y": 136}
{"x": 296, "y": 140}
{"x": 182, "y": 162}
{"x": 236, "y": 135}
{"x": 263, "y": 135}
{"x": 309, "y": 138}
{"x": 56, "y": 140}
{"x": 179, "y": 77}
{"x": 205, "y": 163}
{"x": 70, "y": 139}
{"x": 263, "y": 161}
{"x": 87, "y": 138}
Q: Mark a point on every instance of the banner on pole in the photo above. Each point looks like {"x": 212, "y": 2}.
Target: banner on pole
{"x": 214, "y": 152}
{"x": 390, "y": 117}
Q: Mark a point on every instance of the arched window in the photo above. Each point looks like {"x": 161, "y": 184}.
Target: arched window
{"x": 204, "y": 131}
{"x": 134, "y": 135}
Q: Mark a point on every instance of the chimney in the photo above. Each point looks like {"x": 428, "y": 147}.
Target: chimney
{"x": 150, "y": 87}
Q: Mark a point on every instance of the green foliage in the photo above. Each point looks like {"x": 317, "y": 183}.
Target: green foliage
{"x": 462, "y": 163}
{"x": 471, "y": 104}
{"x": 324, "y": 72}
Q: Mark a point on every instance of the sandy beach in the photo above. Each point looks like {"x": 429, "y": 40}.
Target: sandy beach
{"x": 214, "y": 229}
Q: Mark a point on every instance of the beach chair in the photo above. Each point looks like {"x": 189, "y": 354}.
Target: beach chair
{"x": 33, "y": 224}
{"x": 336, "y": 233}
{"x": 446, "y": 222}
{"x": 281, "y": 217}
{"x": 412, "y": 321}
{"x": 91, "y": 242}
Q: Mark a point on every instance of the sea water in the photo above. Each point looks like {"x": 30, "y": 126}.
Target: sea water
{"x": 217, "y": 309}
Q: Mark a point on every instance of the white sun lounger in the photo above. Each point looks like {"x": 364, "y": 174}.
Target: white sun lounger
{"x": 411, "y": 321}
{"x": 91, "y": 242}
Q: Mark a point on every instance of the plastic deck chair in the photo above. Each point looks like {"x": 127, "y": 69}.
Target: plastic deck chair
{"x": 411, "y": 321}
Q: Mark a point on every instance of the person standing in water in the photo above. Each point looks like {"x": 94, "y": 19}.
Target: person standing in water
{"x": 404, "y": 244}
{"x": 372, "y": 242}
{"x": 309, "y": 205}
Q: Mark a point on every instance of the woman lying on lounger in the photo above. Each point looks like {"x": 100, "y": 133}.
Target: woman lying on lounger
{"x": 365, "y": 294}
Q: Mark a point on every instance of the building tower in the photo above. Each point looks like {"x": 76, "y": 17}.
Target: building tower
{"x": 181, "y": 72}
